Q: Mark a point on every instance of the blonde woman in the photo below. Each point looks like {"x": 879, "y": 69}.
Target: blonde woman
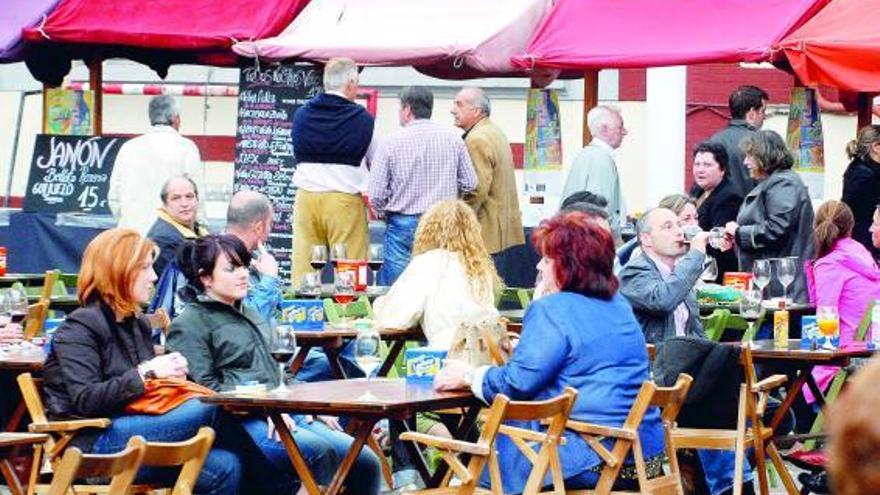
{"x": 450, "y": 279}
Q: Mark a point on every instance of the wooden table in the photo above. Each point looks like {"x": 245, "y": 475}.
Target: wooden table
{"x": 332, "y": 339}
{"x": 13, "y": 364}
{"x": 8, "y": 443}
{"x": 796, "y": 311}
{"x": 327, "y": 291}
{"x": 802, "y": 362}
{"x": 390, "y": 398}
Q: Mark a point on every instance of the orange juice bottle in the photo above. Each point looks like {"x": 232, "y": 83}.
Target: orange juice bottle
{"x": 780, "y": 327}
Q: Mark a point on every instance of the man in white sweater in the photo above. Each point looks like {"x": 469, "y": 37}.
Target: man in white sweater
{"x": 146, "y": 162}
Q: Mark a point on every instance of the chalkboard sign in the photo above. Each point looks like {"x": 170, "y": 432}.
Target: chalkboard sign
{"x": 71, "y": 174}
{"x": 264, "y": 161}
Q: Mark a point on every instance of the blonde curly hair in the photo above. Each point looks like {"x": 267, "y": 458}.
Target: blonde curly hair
{"x": 453, "y": 226}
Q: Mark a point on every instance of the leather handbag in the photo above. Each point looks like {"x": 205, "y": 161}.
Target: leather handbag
{"x": 164, "y": 394}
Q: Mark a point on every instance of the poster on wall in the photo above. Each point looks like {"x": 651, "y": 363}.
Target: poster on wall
{"x": 71, "y": 174}
{"x": 268, "y": 97}
{"x": 806, "y": 140}
{"x": 70, "y": 112}
{"x": 542, "y": 160}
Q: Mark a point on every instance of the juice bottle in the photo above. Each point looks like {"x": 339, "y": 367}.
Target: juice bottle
{"x": 780, "y": 327}
{"x": 2, "y": 261}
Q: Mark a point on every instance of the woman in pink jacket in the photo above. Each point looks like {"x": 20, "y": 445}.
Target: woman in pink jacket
{"x": 843, "y": 275}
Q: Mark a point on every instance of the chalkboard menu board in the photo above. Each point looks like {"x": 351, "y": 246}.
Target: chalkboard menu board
{"x": 71, "y": 174}
{"x": 264, "y": 161}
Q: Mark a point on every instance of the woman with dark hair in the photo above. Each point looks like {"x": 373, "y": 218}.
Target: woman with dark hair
{"x": 776, "y": 217}
{"x": 861, "y": 183}
{"x": 843, "y": 275}
{"x": 580, "y": 334}
{"x": 102, "y": 355}
{"x": 226, "y": 344}
{"x": 719, "y": 201}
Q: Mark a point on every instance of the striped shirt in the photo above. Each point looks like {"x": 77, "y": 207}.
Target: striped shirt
{"x": 417, "y": 166}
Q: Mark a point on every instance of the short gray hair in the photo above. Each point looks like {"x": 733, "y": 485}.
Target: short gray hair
{"x": 642, "y": 224}
{"x": 163, "y": 194}
{"x": 602, "y": 115}
{"x": 163, "y": 110}
{"x": 246, "y": 208}
{"x": 338, "y": 72}
{"x": 419, "y": 99}
{"x": 480, "y": 99}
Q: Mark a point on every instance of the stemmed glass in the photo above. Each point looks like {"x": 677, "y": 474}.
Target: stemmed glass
{"x": 786, "y": 269}
{"x": 377, "y": 257}
{"x": 282, "y": 350}
{"x": 367, "y": 348}
{"x": 5, "y": 309}
{"x": 18, "y": 304}
{"x": 710, "y": 270}
{"x": 344, "y": 292}
{"x": 319, "y": 258}
{"x": 311, "y": 285}
{"x": 761, "y": 272}
{"x": 750, "y": 308}
{"x": 337, "y": 254}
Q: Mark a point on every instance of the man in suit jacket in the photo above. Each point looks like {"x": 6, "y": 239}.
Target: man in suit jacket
{"x": 594, "y": 170}
{"x": 659, "y": 284}
{"x": 495, "y": 201}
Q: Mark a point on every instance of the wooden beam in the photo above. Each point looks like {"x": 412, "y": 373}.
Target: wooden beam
{"x": 591, "y": 99}
{"x": 96, "y": 84}
{"x": 45, "y": 110}
{"x": 864, "y": 113}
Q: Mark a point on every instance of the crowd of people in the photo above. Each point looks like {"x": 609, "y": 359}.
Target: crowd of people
{"x": 451, "y": 209}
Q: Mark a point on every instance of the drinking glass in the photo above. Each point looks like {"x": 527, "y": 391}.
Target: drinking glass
{"x": 5, "y": 309}
{"x": 339, "y": 252}
{"x": 319, "y": 258}
{"x": 761, "y": 272}
{"x": 367, "y": 349}
{"x": 343, "y": 292}
{"x": 710, "y": 270}
{"x": 750, "y": 308}
{"x": 311, "y": 285}
{"x": 716, "y": 237}
{"x": 18, "y": 304}
{"x": 282, "y": 350}
{"x": 828, "y": 322}
{"x": 377, "y": 257}
{"x": 786, "y": 270}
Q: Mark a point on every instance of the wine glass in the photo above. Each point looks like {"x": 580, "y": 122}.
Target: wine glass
{"x": 786, "y": 269}
{"x": 311, "y": 285}
{"x": 367, "y": 348}
{"x": 828, "y": 322}
{"x": 343, "y": 292}
{"x": 18, "y": 304}
{"x": 319, "y": 258}
{"x": 283, "y": 348}
{"x": 710, "y": 270}
{"x": 377, "y": 257}
{"x": 750, "y": 308}
{"x": 339, "y": 252}
{"x": 5, "y": 309}
{"x": 761, "y": 272}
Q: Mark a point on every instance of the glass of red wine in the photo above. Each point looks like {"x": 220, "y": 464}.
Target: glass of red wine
{"x": 282, "y": 350}
{"x": 18, "y": 304}
{"x": 377, "y": 257}
{"x": 344, "y": 292}
{"x": 319, "y": 258}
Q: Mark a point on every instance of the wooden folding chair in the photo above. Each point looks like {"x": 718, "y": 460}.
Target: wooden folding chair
{"x": 35, "y": 319}
{"x": 190, "y": 454}
{"x": 626, "y": 441}
{"x": 121, "y": 468}
{"x": 159, "y": 320}
{"x": 752, "y": 403}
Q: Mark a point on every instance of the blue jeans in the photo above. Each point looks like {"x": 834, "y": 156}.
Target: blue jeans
{"x": 316, "y": 367}
{"x": 718, "y": 467}
{"x": 323, "y": 450}
{"x": 400, "y": 230}
{"x": 232, "y": 455}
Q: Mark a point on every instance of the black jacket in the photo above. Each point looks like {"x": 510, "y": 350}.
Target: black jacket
{"x": 720, "y": 207}
{"x": 861, "y": 192}
{"x": 92, "y": 369}
{"x": 168, "y": 238}
{"x": 730, "y": 137}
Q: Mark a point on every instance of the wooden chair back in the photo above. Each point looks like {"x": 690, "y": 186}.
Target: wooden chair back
{"x": 48, "y": 285}
{"x": 190, "y": 454}
{"x": 159, "y": 320}
{"x": 121, "y": 468}
{"x": 626, "y": 439}
{"x": 35, "y": 319}
{"x": 553, "y": 411}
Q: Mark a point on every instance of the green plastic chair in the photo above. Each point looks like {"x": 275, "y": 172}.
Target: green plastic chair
{"x": 359, "y": 308}
{"x": 521, "y": 296}
{"x": 838, "y": 381}
{"x": 715, "y": 323}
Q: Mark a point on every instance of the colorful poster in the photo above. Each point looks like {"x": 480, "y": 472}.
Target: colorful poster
{"x": 543, "y": 135}
{"x": 542, "y": 157}
{"x": 69, "y": 112}
{"x": 806, "y": 141}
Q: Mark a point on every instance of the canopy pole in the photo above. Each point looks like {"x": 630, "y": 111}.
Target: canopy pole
{"x": 96, "y": 84}
{"x": 865, "y": 112}
{"x": 45, "y": 110}
{"x": 591, "y": 99}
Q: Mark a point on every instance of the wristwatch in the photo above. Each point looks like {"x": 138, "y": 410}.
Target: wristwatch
{"x": 148, "y": 373}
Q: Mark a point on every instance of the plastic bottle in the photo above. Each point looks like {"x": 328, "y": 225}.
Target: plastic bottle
{"x": 2, "y": 261}
{"x": 875, "y": 325}
{"x": 780, "y": 327}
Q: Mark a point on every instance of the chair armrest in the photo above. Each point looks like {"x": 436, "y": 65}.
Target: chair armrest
{"x": 599, "y": 430}
{"x": 530, "y": 435}
{"x": 72, "y": 425}
{"x": 445, "y": 443}
{"x": 770, "y": 383}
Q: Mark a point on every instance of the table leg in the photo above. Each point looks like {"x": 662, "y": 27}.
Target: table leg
{"x": 468, "y": 420}
{"x": 790, "y": 395}
{"x": 361, "y": 431}
{"x": 396, "y": 347}
{"x": 11, "y": 480}
{"x": 300, "y": 359}
{"x": 814, "y": 388}
{"x": 332, "y": 354}
{"x": 299, "y": 462}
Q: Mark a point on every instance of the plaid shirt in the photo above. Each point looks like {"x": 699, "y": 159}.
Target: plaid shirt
{"x": 417, "y": 166}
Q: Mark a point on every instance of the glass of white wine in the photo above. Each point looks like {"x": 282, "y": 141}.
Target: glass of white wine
{"x": 367, "y": 349}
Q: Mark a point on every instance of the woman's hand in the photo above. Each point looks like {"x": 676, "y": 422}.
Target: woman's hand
{"x": 332, "y": 422}
{"x": 272, "y": 432}
{"x": 453, "y": 375}
{"x": 11, "y": 333}
{"x": 730, "y": 229}
{"x": 172, "y": 365}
